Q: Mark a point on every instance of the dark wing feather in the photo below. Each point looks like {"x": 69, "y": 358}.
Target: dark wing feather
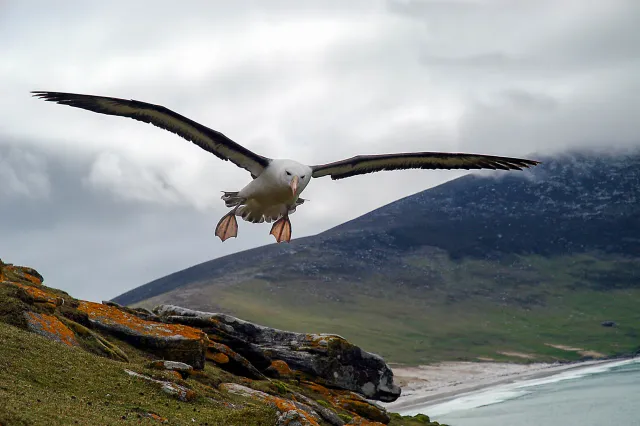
{"x": 206, "y": 138}
{"x": 363, "y": 164}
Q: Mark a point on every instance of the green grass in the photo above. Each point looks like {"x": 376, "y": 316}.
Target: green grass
{"x": 47, "y": 383}
{"x": 461, "y": 311}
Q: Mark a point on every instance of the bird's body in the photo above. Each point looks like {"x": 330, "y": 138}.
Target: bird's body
{"x": 269, "y": 196}
{"x": 274, "y": 192}
{"x": 272, "y": 186}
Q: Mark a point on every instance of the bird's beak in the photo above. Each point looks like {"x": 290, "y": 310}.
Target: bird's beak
{"x": 294, "y": 185}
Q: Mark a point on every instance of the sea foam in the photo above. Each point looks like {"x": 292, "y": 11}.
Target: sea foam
{"x": 506, "y": 392}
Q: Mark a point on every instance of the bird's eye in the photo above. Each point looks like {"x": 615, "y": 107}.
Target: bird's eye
{"x": 288, "y": 173}
{"x": 302, "y": 177}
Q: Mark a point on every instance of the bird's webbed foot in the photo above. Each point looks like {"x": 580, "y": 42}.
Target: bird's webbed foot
{"x": 281, "y": 229}
{"x": 227, "y": 226}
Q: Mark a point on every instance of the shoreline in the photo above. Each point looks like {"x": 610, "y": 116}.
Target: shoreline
{"x": 445, "y": 381}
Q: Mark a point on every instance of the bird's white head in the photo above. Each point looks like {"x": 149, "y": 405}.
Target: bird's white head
{"x": 292, "y": 174}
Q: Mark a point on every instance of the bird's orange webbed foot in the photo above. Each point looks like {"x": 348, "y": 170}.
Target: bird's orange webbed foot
{"x": 227, "y": 227}
{"x": 282, "y": 229}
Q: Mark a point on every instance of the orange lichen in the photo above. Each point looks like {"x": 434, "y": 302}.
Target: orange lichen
{"x": 358, "y": 406}
{"x": 187, "y": 395}
{"x": 110, "y": 315}
{"x": 324, "y": 341}
{"x": 359, "y": 421}
{"x": 361, "y": 408}
{"x": 284, "y": 406}
{"x": 350, "y": 401}
{"x": 316, "y": 387}
{"x": 174, "y": 375}
{"x": 29, "y": 274}
{"x": 51, "y": 327}
{"x": 222, "y": 354}
{"x": 11, "y": 273}
{"x": 218, "y": 358}
{"x": 158, "y": 364}
{"x": 156, "y": 417}
{"x": 40, "y": 296}
{"x": 281, "y": 367}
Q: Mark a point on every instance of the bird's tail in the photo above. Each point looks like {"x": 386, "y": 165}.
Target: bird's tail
{"x": 231, "y": 199}
{"x": 298, "y": 202}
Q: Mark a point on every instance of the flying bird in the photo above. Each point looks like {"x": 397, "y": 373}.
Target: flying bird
{"x": 274, "y": 192}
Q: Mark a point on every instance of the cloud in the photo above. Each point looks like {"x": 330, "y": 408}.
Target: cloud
{"x": 23, "y": 174}
{"x": 112, "y": 173}
{"x": 315, "y": 81}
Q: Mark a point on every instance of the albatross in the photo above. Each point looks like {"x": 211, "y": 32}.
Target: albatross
{"x": 274, "y": 191}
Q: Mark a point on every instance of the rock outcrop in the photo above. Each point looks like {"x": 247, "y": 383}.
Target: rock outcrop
{"x": 330, "y": 359}
{"x": 172, "y": 341}
{"x": 307, "y": 379}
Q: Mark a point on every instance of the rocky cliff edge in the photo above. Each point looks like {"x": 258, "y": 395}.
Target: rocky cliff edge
{"x": 200, "y": 357}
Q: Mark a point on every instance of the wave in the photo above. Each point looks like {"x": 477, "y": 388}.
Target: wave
{"x": 510, "y": 391}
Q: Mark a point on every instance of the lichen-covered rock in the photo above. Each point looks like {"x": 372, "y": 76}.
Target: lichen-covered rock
{"x": 95, "y": 342}
{"x": 355, "y": 404}
{"x": 329, "y": 367}
{"x": 12, "y": 273}
{"x": 232, "y": 362}
{"x": 328, "y": 415}
{"x": 280, "y": 370}
{"x": 181, "y": 368}
{"x": 351, "y": 402}
{"x": 292, "y": 413}
{"x": 37, "y": 296}
{"x": 156, "y": 417}
{"x": 50, "y": 327}
{"x": 138, "y": 312}
{"x": 329, "y": 359}
{"x": 180, "y": 392}
{"x": 174, "y": 342}
{"x": 359, "y": 421}
{"x": 219, "y": 332}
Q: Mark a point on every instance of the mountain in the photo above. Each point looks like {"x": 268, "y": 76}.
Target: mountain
{"x": 501, "y": 265}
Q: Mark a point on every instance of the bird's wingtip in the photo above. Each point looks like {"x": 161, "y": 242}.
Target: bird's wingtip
{"x": 40, "y": 94}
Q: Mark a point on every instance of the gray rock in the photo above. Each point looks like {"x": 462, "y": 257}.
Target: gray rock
{"x": 221, "y": 333}
{"x": 328, "y": 359}
{"x": 232, "y": 362}
{"x": 177, "y": 366}
{"x": 180, "y": 392}
{"x": 292, "y": 413}
{"x": 328, "y": 415}
{"x": 172, "y": 365}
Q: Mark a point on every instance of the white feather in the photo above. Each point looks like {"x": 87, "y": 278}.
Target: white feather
{"x": 268, "y": 197}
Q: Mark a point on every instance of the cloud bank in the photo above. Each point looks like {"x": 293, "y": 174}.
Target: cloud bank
{"x": 103, "y": 204}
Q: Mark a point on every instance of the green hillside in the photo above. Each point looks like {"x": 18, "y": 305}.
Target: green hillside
{"x": 464, "y": 317}
{"x": 523, "y": 266}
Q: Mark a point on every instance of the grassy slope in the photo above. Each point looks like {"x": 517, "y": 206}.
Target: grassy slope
{"x": 464, "y": 310}
{"x": 50, "y": 383}
{"x": 47, "y": 383}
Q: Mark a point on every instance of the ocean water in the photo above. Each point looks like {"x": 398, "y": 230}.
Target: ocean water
{"x": 601, "y": 395}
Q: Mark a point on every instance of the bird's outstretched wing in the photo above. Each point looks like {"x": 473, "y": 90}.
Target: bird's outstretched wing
{"x": 362, "y": 164}
{"x": 206, "y": 138}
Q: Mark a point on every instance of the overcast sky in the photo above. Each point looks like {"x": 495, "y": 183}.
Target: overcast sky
{"x": 101, "y": 204}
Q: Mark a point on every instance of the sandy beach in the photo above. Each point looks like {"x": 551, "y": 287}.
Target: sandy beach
{"x": 444, "y": 381}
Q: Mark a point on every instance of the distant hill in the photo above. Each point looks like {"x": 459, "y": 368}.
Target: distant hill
{"x": 515, "y": 265}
